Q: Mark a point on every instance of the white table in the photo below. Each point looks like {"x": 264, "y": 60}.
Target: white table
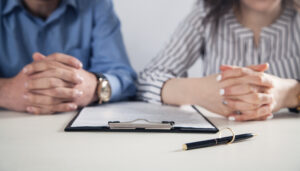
{"x": 39, "y": 143}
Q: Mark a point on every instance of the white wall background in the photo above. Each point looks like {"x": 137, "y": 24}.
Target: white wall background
{"x": 148, "y": 24}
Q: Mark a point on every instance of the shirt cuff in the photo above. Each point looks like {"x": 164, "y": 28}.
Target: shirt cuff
{"x": 115, "y": 86}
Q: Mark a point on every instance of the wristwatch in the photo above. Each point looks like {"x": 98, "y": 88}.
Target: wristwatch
{"x": 103, "y": 88}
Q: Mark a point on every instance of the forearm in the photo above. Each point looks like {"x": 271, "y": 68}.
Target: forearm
{"x": 183, "y": 91}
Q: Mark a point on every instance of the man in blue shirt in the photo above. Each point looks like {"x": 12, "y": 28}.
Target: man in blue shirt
{"x": 81, "y": 56}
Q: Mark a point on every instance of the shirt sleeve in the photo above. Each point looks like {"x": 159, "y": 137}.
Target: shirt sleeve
{"x": 179, "y": 54}
{"x": 108, "y": 52}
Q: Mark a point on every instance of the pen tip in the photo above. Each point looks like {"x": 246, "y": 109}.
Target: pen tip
{"x": 184, "y": 147}
{"x": 254, "y": 135}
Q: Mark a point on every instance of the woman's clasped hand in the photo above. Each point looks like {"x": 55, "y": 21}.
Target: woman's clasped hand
{"x": 253, "y": 94}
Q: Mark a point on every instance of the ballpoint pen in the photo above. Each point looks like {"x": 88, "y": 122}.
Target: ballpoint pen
{"x": 217, "y": 141}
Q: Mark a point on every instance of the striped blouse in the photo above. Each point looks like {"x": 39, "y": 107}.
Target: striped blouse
{"x": 232, "y": 44}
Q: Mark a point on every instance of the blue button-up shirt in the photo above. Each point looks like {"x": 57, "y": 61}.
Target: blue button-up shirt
{"x": 86, "y": 29}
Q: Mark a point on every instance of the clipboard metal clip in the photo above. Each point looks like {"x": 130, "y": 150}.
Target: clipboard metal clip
{"x": 141, "y": 124}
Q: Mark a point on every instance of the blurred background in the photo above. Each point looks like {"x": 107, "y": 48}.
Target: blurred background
{"x": 148, "y": 24}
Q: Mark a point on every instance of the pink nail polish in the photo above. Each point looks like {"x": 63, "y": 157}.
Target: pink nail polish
{"x": 221, "y": 92}
{"x": 219, "y": 78}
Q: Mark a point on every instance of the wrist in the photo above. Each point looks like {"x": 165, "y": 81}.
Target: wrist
{"x": 95, "y": 94}
{"x": 3, "y": 92}
{"x": 292, "y": 95}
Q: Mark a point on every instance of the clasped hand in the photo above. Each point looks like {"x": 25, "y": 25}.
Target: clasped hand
{"x": 56, "y": 83}
{"x": 251, "y": 92}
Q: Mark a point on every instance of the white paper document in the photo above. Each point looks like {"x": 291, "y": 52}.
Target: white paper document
{"x": 100, "y": 116}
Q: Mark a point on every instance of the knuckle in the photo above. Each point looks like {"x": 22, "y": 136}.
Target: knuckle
{"x": 56, "y": 92}
{"x": 270, "y": 82}
{"x": 73, "y": 93}
{"x": 227, "y": 112}
{"x": 256, "y": 113}
{"x": 259, "y": 78}
{"x": 52, "y": 82}
{"x": 59, "y": 72}
{"x": 42, "y": 65}
{"x": 32, "y": 99}
{"x": 66, "y": 107}
{"x": 264, "y": 110}
{"x": 240, "y": 71}
{"x": 255, "y": 106}
{"x": 55, "y": 55}
{"x": 255, "y": 97}
{"x": 249, "y": 88}
{"x": 50, "y": 100}
{"x": 72, "y": 60}
{"x": 29, "y": 84}
{"x": 73, "y": 71}
{"x": 235, "y": 105}
{"x": 244, "y": 71}
{"x": 231, "y": 104}
{"x": 268, "y": 109}
{"x": 74, "y": 76}
{"x": 32, "y": 67}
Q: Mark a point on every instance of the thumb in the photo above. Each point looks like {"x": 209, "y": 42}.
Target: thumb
{"x": 259, "y": 68}
{"x": 38, "y": 56}
{"x": 226, "y": 67}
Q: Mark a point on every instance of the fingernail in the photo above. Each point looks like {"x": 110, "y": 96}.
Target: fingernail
{"x": 29, "y": 109}
{"x": 73, "y": 106}
{"x": 25, "y": 96}
{"x": 25, "y": 70}
{"x": 270, "y": 117}
{"x": 222, "y": 92}
{"x": 219, "y": 77}
{"x": 231, "y": 118}
{"x": 79, "y": 65}
{"x": 224, "y": 102}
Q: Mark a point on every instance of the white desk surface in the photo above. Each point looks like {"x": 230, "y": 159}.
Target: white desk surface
{"x": 39, "y": 143}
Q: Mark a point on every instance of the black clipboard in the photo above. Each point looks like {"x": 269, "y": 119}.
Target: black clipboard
{"x": 147, "y": 118}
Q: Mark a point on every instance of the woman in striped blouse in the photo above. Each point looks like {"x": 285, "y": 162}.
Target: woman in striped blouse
{"x": 251, "y": 56}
